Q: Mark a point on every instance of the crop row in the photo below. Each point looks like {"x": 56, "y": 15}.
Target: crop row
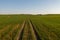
{"x": 10, "y": 26}
{"x": 47, "y": 27}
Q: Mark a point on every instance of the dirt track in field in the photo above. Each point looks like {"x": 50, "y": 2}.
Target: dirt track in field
{"x": 27, "y": 32}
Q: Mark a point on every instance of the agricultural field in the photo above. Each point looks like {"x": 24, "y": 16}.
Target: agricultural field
{"x": 47, "y": 26}
{"x": 10, "y": 26}
{"x": 29, "y": 27}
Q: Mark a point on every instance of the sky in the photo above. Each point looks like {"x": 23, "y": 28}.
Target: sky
{"x": 29, "y": 6}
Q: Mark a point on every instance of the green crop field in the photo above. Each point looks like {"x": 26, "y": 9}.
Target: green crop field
{"x": 41, "y": 27}
{"x": 47, "y": 26}
{"x": 10, "y": 26}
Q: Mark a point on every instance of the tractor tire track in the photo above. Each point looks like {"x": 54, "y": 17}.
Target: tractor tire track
{"x": 35, "y": 30}
{"x": 28, "y": 32}
{"x": 21, "y": 32}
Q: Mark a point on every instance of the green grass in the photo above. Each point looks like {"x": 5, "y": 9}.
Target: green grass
{"x": 8, "y": 26}
{"x": 47, "y": 26}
